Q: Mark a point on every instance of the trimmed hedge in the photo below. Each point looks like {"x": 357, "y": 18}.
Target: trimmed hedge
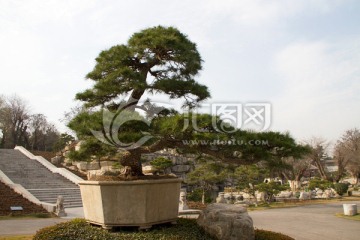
{"x": 186, "y": 229}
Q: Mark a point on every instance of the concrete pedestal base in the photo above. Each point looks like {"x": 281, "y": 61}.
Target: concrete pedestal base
{"x": 141, "y": 203}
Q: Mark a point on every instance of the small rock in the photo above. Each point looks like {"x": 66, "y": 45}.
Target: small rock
{"x": 305, "y": 196}
{"x": 56, "y": 160}
{"x": 220, "y": 198}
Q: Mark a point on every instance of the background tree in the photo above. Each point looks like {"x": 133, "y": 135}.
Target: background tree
{"x": 2, "y": 106}
{"x": 351, "y": 150}
{"x": 206, "y": 176}
{"x": 248, "y": 177}
{"x": 295, "y": 170}
{"x": 14, "y": 118}
{"x": 42, "y": 134}
{"x": 19, "y": 127}
{"x": 38, "y": 125}
{"x": 288, "y": 166}
{"x": 342, "y": 159}
{"x": 63, "y": 140}
{"x": 318, "y": 148}
{"x": 51, "y": 136}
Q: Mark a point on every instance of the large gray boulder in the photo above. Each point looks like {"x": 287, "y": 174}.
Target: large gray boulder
{"x": 227, "y": 222}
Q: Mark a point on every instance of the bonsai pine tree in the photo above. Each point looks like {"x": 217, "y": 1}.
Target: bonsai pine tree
{"x": 154, "y": 60}
{"x": 119, "y": 117}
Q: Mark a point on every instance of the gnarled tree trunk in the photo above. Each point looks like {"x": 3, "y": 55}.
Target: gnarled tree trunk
{"x": 131, "y": 160}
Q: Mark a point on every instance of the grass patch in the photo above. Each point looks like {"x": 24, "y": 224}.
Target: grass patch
{"x": 355, "y": 217}
{"x": 27, "y": 216}
{"x": 264, "y": 206}
{"x": 17, "y": 237}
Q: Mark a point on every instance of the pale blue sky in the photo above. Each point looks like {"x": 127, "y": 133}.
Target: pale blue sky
{"x": 301, "y": 56}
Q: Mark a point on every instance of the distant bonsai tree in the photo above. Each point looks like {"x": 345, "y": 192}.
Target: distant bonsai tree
{"x": 118, "y": 112}
{"x": 161, "y": 164}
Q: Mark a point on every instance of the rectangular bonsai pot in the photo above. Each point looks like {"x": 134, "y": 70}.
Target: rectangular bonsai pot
{"x": 140, "y": 203}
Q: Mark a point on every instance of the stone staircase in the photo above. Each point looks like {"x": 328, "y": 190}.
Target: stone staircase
{"x": 37, "y": 179}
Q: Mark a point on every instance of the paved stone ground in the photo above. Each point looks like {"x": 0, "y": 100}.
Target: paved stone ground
{"x": 312, "y": 222}
{"x": 26, "y": 226}
{"x": 30, "y": 226}
{"x": 309, "y": 222}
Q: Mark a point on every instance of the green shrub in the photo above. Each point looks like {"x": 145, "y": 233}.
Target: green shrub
{"x": 73, "y": 230}
{"x": 268, "y": 235}
{"x": 78, "y": 229}
{"x": 341, "y": 188}
{"x": 186, "y": 229}
{"x": 320, "y": 183}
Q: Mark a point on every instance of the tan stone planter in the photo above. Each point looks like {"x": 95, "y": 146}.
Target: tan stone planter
{"x": 140, "y": 203}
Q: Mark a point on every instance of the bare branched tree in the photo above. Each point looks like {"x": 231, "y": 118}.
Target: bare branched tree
{"x": 298, "y": 167}
{"x": 14, "y": 118}
{"x": 317, "y": 154}
{"x": 341, "y": 157}
{"x": 19, "y": 127}
{"x": 347, "y": 154}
